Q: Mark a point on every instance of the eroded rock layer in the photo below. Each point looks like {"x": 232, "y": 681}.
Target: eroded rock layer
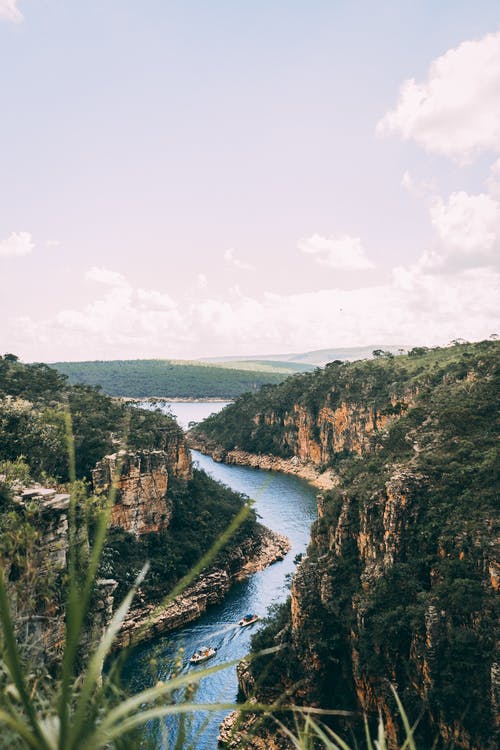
{"x": 140, "y": 479}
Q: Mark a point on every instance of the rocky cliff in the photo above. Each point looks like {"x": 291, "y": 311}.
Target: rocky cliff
{"x": 375, "y": 604}
{"x": 399, "y": 584}
{"x": 142, "y": 505}
{"x": 38, "y": 576}
{"x": 314, "y": 417}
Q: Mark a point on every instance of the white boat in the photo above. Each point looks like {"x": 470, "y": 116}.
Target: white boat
{"x": 248, "y": 620}
{"x": 202, "y": 654}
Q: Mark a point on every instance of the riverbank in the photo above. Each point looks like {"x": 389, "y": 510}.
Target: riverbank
{"x": 322, "y": 480}
{"x": 173, "y": 400}
{"x": 255, "y": 554}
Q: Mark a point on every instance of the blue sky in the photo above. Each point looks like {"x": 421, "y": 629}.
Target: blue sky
{"x": 185, "y": 179}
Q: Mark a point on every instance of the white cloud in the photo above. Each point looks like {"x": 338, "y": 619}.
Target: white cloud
{"x": 408, "y": 182}
{"x": 105, "y": 276}
{"x": 467, "y": 229}
{"x": 18, "y": 243}
{"x": 343, "y": 252}
{"x": 124, "y": 318}
{"x": 417, "y": 304}
{"x": 150, "y": 298}
{"x": 419, "y": 188}
{"x": 201, "y": 281}
{"x": 10, "y": 12}
{"x": 230, "y": 258}
{"x": 493, "y": 179}
{"x": 456, "y": 111}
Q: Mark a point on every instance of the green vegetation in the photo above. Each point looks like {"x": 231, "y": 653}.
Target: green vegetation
{"x": 35, "y": 401}
{"x": 256, "y": 422}
{"x": 165, "y": 378}
{"x": 72, "y": 704}
{"x": 406, "y": 541}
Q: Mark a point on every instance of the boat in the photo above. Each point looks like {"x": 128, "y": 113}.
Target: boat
{"x": 202, "y": 654}
{"x": 248, "y": 620}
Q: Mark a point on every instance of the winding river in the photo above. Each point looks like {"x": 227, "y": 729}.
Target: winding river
{"x": 284, "y": 503}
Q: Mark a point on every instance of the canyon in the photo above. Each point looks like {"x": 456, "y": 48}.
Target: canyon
{"x": 399, "y": 584}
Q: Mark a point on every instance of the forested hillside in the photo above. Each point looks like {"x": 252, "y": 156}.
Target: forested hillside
{"x": 35, "y": 404}
{"x": 141, "y": 378}
{"x": 401, "y": 578}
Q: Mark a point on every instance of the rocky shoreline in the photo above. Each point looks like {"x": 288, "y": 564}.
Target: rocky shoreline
{"x": 323, "y": 480}
{"x": 147, "y": 622}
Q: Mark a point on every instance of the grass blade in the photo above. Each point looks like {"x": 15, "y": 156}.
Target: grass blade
{"x": 94, "y": 671}
{"x": 409, "y": 741}
{"x": 13, "y": 661}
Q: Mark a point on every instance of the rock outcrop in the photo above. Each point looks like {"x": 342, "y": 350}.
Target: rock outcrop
{"x": 375, "y": 544}
{"x": 316, "y": 436}
{"x": 140, "y": 480}
{"x": 47, "y": 554}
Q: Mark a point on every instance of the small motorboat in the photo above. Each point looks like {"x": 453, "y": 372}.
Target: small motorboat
{"x": 202, "y": 654}
{"x": 248, "y": 620}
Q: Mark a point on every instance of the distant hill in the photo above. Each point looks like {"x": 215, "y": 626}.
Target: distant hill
{"x": 315, "y": 358}
{"x": 261, "y": 365}
{"x": 165, "y": 378}
{"x": 224, "y": 377}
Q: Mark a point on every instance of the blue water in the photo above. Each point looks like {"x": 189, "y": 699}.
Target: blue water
{"x": 283, "y": 503}
{"x": 186, "y": 411}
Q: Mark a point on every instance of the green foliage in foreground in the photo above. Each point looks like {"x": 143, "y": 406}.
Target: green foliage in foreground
{"x": 165, "y": 378}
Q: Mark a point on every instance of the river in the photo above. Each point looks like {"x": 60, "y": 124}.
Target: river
{"x": 284, "y": 503}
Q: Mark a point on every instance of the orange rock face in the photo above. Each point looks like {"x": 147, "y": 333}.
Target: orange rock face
{"x": 140, "y": 480}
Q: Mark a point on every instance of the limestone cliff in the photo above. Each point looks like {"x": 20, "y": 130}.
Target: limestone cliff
{"x": 142, "y": 505}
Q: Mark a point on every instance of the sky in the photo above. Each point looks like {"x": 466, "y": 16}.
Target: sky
{"x": 190, "y": 179}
